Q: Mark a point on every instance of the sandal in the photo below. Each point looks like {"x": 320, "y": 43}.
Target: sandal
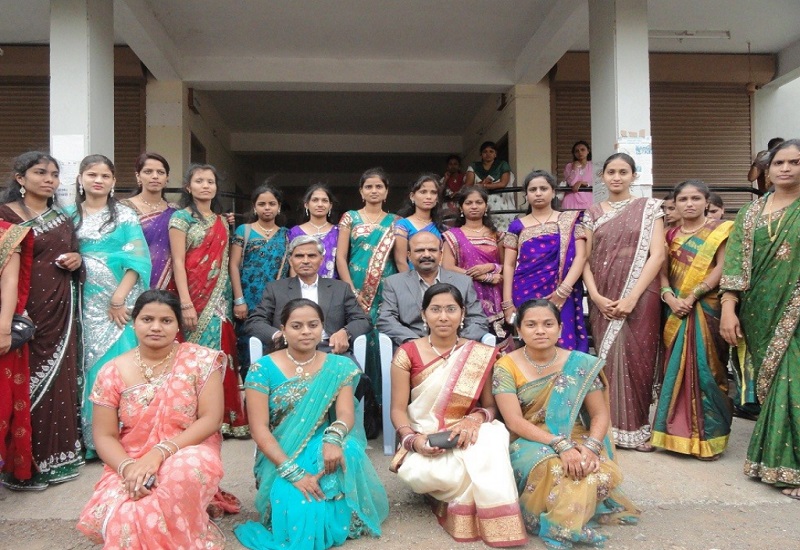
{"x": 645, "y": 447}
{"x": 793, "y": 493}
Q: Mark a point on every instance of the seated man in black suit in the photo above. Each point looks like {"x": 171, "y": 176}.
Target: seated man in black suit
{"x": 400, "y": 315}
{"x": 344, "y": 318}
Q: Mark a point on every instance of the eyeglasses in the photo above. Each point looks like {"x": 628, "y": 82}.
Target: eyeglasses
{"x": 450, "y": 310}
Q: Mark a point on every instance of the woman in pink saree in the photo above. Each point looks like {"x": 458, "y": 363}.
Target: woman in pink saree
{"x": 625, "y": 243}
{"x": 157, "y": 413}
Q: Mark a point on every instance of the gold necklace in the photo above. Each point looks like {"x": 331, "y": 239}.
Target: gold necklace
{"x": 547, "y": 219}
{"x": 147, "y": 371}
{"x": 616, "y": 205}
{"x": 693, "y": 231}
{"x": 420, "y": 220}
{"x": 33, "y": 214}
{"x": 153, "y": 207}
{"x": 769, "y": 223}
{"x": 478, "y": 231}
{"x": 440, "y": 354}
{"x": 372, "y": 222}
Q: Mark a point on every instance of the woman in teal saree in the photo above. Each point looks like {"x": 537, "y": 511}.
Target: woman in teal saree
{"x": 364, "y": 258}
{"x": 762, "y": 273}
{"x": 555, "y": 403}
{"x": 316, "y": 486}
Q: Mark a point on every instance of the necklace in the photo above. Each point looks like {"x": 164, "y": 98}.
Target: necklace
{"x": 478, "y": 231}
{"x": 372, "y": 222}
{"x": 148, "y": 372}
{"x": 319, "y": 228}
{"x": 264, "y": 229}
{"x": 33, "y": 214}
{"x": 545, "y": 220}
{"x": 300, "y": 364}
{"x": 420, "y": 220}
{"x": 693, "y": 231}
{"x": 437, "y": 352}
{"x": 777, "y": 227}
{"x": 153, "y": 207}
{"x": 539, "y": 368}
{"x": 616, "y": 205}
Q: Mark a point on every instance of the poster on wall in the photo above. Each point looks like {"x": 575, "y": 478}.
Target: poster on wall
{"x": 69, "y": 150}
{"x": 640, "y": 147}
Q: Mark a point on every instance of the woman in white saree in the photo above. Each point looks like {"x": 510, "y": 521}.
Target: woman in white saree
{"x": 466, "y": 474}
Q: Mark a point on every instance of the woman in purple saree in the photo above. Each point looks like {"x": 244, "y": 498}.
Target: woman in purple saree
{"x": 544, "y": 257}
{"x": 152, "y": 174}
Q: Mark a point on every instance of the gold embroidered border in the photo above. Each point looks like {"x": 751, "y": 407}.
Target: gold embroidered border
{"x": 781, "y": 474}
{"x": 10, "y": 239}
{"x": 566, "y": 223}
{"x": 377, "y": 264}
{"x": 742, "y": 282}
{"x": 778, "y": 345}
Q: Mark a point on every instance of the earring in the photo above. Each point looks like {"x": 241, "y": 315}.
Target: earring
{"x": 424, "y": 325}
{"x": 285, "y": 343}
{"x": 306, "y": 211}
{"x": 112, "y": 192}
{"x": 328, "y": 215}
{"x": 413, "y": 203}
{"x": 22, "y": 191}
{"x": 462, "y": 323}
{"x": 80, "y": 189}
{"x": 462, "y": 213}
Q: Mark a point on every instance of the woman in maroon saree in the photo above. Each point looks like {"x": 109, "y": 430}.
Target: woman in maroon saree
{"x": 54, "y": 401}
{"x": 625, "y": 242}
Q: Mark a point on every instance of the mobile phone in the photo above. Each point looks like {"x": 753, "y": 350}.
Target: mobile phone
{"x": 150, "y": 482}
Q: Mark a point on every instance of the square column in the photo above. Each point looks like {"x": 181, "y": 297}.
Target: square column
{"x": 168, "y": 128}
{"x": 620, "y": 87}
{"x": 81, "y": 85}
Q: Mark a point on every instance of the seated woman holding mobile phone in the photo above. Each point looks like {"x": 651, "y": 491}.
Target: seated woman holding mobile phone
{"x": 452, "y": 450}
{"x": 157, "y": 414}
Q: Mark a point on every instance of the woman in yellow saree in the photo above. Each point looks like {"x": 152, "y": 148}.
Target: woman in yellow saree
{"x": 555, "y": 403}
{"x": 466, "y": 476}
{"x": 693, "y": 416}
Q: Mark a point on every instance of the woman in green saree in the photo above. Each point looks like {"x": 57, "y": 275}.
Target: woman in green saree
{"x": 364, "y": 258}
{"x": 316, "y": 486}
{"x": 762, "y": 274}
{"x": 555, "y": 403}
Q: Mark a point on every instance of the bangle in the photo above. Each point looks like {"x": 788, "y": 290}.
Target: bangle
{"x": 594, "y": 445}
{"x": 122, "y": 465}
{"x": 729, "y": 299}
{"x": 160, "y": 450}
{"x": 700, "y": 290}
{"x": 239, "y": 301}
{"x": 397, "y": 430}
{"x": 665, "y": 289}
{"x": 188, "y": 305}
{"x": 505, "y": 304}
{"x": 116, "y": 306}
{"x": 487, "y": 414}
{"x": 407, "y": 442}
{"x": 664, "y": 294}
{"x": 177, "y": 447}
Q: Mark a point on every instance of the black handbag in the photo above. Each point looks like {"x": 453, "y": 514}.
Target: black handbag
{"x": 22, "y": 330}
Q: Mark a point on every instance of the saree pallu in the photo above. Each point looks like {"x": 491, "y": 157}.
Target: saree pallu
{"x": 404, "y": 228}
{"x": 174, "y": 514}
{"x": 209, "y": 287}
{"x": 330, "y": 241}
{"x": 545, "y": 254}
{"x": 107, "y": 253}
{"x": 469, "y": 252}
{"x": 155, "y": 226}
{"x": 472, "y": 490}
{"x": 766, "y": 273}
{"x": 15, "y": 401}
{"x": 370, "y": 262}
{"x": 694, "y": 411}
{"x": 630, "y": 347}
{"x": 300, "y": 409}
{"x": 53, "y": 353}
{"x": 557, "y": 508}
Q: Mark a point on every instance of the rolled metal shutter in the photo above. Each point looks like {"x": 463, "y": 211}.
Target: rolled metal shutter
{"x": 700, "y": 131}
{"x": 25, "y": 124}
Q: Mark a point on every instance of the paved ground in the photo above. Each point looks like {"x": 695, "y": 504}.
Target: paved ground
{"x": 687, "y": 505}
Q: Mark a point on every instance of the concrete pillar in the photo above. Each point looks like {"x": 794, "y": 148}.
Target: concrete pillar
{"x": 167, "y": 131}
{"x": 529, "y": 135}
{"x": 81, "y": 85}
{"x": 620, "y": 87}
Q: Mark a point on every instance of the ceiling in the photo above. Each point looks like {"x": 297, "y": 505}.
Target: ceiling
{"x": 380, "y": 66}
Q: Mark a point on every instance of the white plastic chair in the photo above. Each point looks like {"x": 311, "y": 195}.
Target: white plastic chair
{"x": 360, "y": 351}
{"x": 489, "y": 339}
{"x": 256, "y": 349}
